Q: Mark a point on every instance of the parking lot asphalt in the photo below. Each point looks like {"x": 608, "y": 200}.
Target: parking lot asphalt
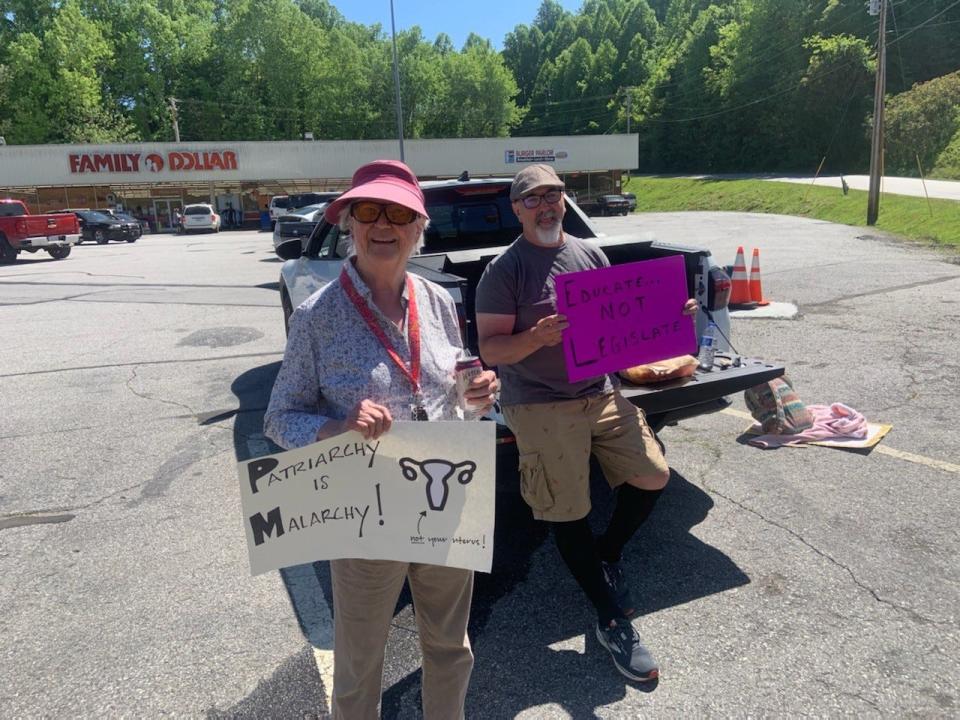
{"x": 790, "y": 582}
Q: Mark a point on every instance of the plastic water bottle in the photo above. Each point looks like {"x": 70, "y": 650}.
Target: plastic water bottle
{"x": 708, "y": 347}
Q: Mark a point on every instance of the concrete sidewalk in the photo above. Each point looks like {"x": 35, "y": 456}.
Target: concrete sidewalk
{"x": 942, "y": 189}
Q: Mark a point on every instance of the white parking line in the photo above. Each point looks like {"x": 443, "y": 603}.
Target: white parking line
{"x": 315, "y": 616}
{"x": 308, "y": 599}
{"x": 882, "y": 449}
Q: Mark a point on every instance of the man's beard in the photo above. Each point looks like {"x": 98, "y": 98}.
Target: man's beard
{"x": 549, "y": 235}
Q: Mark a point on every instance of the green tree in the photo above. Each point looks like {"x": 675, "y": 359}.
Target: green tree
{"x": 478, "y": 96}
{"x": 160, "y": 51}
{"x": 947, "y": 165}
{"x": 53, "y": 88}
{"x": 26, "y": 84}
{"x": 79, "y": 105}
{"x": 523, "y": 54}
{"x": 922, "y": 122}
{"x": 834, "y": 97}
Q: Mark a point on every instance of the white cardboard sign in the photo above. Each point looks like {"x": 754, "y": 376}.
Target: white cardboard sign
{"x": 423, "y": 492}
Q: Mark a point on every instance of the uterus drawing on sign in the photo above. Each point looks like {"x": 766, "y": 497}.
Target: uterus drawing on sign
{"x": 438, "y": 474}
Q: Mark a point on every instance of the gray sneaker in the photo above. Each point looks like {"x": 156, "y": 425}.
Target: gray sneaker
{"x": 630, "y": 656}
{"x": 617, "y": 585}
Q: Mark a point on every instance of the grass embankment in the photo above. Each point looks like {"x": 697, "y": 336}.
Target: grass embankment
{"x": 909, "y": 217}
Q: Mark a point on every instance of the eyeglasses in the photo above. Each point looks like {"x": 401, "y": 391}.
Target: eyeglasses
{"x": 370, "y": 212}
{"x": 533, "y": 201}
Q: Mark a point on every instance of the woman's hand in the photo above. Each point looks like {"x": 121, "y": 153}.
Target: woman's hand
{"x": 369, "y": 419}
{"x": 690, "y": 307}
{"x": 482, "y": 391}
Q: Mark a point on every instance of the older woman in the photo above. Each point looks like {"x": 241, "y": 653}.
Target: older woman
{"x": 380, "y": 344}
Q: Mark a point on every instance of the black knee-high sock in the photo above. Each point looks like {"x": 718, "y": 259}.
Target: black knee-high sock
{"x": 633, "y": 508}
{"x": 576, "y": 545}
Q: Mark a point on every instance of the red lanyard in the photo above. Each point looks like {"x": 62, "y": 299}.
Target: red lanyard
{"x": 413, "y": 329}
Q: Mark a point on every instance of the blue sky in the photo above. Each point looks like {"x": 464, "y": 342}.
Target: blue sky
{"x": 491, "y": 19}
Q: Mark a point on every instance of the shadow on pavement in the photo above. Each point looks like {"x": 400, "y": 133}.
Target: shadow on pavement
{"x": 252, "y": 390}
{"x": 667, "y": 565}
{"x": 516, "y": 667}
{"x": 293, "y": 691}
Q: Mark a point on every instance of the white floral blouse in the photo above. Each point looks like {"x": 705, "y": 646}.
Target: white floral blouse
{"x": 333, "y": 361}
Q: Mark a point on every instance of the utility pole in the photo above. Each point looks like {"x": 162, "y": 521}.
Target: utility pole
{"x": 876, "y": 141}
{"x": 629, "y": 101}
{"x": 396, "y": 82}
{"x": 173, "y": 114}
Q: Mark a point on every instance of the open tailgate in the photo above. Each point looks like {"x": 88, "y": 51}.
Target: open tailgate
{"x": 702, "y": 387}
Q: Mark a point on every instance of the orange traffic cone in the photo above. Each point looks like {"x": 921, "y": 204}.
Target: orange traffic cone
{"x": 756, "y": 288}
{"x": 740, "y": 289}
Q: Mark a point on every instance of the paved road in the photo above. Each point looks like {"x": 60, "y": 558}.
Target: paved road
{"x": 786, "y": 582}
{"x": 945, "y": 189}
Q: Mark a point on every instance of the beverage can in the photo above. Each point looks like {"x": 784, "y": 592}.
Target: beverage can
{"x": 467, "y": 368}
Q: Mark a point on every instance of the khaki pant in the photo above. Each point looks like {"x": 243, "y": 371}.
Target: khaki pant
{"x": 555, "y": 441}
{"x": 365, "y": 594}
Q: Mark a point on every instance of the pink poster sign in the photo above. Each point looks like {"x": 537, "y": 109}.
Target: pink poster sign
{"x": 624, "y": 315}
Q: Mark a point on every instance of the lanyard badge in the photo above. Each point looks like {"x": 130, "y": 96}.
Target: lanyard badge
{"x": 417, "y": 409}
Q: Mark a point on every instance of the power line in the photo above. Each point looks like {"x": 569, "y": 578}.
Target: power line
{"x": 903, "y": 76}
{"x": 764, "y": 58}
{"x": 787, "y": 90}
{"x": 925, "y": 22}
{"x": 933, "y": 25}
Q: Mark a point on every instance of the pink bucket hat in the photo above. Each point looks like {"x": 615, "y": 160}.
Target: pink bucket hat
{"x": 387, "y": 181}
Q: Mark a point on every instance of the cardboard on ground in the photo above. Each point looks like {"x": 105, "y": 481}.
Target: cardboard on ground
{"x": 875, "y": 433}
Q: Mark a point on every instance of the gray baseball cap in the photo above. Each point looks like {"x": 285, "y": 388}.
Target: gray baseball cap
{"x": 533, "y": 177}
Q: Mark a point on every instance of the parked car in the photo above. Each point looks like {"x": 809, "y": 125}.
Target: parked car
{"x": 100, "y": 227}
{"x": 298, "y": 224}
{"x": 612, "y": 205}
{"x": 22, "y": 232}
{"x": 123, "y": 216}
{"x": 200, "y": 216}
{"x": 130, "y": 217}
{"x": 471, "y": 221}
{"x": 283, "y": 204}
{"x": 631, "y": 200}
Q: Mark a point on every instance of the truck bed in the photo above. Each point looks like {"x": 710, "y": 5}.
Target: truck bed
{"x": 34, "y": 226}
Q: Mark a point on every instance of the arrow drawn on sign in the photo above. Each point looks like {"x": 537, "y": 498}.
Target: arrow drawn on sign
{"x": 423, "y": 514}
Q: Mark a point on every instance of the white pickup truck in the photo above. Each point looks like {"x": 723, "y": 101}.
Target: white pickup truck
{"x": 471, "y": 221}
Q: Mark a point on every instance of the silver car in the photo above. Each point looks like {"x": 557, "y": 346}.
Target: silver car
{"x": 297, "y": 223}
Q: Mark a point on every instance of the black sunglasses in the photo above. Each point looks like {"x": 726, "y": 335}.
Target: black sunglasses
{"x": 533, "y": 201}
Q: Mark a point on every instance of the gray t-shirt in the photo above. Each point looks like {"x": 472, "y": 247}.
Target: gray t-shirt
{"x": 520, "y": 282}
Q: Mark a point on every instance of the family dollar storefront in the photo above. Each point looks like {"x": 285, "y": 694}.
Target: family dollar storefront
{"x": 156, "y": 180}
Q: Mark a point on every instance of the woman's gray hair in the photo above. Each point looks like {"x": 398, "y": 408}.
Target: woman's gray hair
{"x": 344, "y": 222}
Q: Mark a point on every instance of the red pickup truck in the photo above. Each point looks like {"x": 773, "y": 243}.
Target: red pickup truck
{"x": 19, "y": 230}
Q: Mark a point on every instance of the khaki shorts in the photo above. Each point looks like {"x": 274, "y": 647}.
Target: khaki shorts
{"x": 555, "y": 441}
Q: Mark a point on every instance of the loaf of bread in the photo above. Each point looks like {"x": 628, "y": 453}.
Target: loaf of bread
{"x": 669, "y": 369}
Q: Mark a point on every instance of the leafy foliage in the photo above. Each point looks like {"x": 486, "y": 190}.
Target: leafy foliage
{"x": 948, "y": 161}
{"x": 106, "y": 70}
{"x": 924, "y": 123}
{"x": 707, "y": 84}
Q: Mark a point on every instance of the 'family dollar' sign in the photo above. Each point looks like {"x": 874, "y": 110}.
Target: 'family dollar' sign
{"x": 624, "y": 315}
{"x": 422, "y": 492}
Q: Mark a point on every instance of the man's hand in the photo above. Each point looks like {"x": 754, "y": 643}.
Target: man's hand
{"x": 690, "y": 307}
{"x": 482, "y": 391}
{"x": 549, "y": 330}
